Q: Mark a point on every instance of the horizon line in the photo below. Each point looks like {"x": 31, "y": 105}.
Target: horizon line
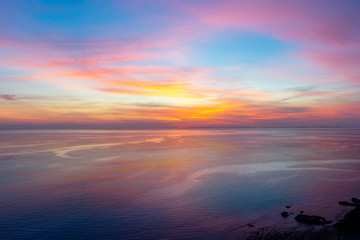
{"x": 149, "y": 129}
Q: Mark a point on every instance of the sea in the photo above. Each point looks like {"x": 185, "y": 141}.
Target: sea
{"x": 172, "y": 184}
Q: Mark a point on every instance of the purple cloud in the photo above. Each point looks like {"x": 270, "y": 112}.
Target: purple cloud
{"x": 9, "y": 97}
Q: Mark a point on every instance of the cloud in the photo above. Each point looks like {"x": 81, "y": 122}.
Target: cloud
{"x": 154, "y": 77}
{"x": 326, "y": 31}
{"x": 9, "y": 97}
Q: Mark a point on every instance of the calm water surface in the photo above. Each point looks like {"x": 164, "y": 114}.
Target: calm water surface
{"x": 171, "y": 184}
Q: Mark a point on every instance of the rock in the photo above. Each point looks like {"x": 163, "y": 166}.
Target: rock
{"x": 250, "y": 225}
{"x": 285, "y": 214}
{"x": 311, "y": 220}
{"x": 287, "y": 206}
{"x": 351, "y": 221}
{"x": 344, "y": 203}
{"x": 301, "y": 212}
{"x": 355, "y": 200}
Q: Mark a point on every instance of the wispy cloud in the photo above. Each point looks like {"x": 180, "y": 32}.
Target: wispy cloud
{"x": 158, "y": 65}
{"x": 327, "y": 31}
{"x": 9, "y": 97}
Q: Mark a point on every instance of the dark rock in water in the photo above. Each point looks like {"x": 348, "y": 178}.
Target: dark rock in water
{"x": 287, "y": 206}
{"x": 344, "y": 203}
{"x": 285, "y": 214}
{"x": 301, "y": 212}
{"x": 250, "y": 225}
{"x": 355, "y": 200}
{"x": 311, "y": 220}
{"x": 351, "y": 221}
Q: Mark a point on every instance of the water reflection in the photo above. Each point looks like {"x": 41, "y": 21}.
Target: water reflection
{"x": 170, "y": 183}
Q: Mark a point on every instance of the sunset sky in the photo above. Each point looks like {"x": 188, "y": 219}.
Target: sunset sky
{"x": 179, "y": 64}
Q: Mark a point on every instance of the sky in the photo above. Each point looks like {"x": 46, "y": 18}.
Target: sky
{"x": 138, "y": 64}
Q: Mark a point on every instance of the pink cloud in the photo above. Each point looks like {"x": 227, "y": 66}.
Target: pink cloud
{"x": 327, "y": 31}
{"x": 341, "y": 61}
{"x": 9, "y": 97}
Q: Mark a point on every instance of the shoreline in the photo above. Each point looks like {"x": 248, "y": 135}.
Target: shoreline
{"x": 315, "y": 227}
